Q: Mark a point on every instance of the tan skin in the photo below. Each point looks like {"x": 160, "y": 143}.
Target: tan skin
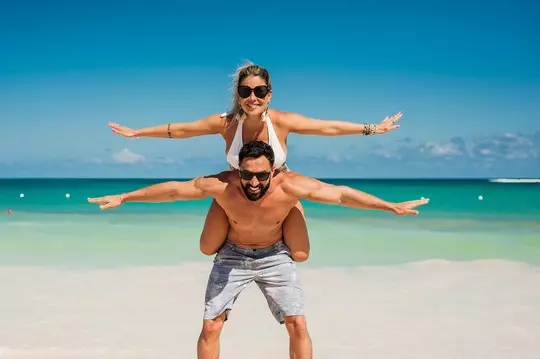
{"x": 216, "y": 225}
{"x": 257, "y": 223}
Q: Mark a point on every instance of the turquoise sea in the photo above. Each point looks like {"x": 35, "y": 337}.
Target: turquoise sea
{"x": 465, "y": 220}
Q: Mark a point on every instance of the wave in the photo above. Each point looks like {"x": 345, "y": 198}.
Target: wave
{"x": 515, "y": 180}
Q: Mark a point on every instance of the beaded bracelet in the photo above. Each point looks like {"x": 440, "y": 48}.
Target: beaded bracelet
{"x": 369, "y": 129}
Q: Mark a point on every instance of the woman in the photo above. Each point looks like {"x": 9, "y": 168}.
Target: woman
{"x": 252, "y": 119}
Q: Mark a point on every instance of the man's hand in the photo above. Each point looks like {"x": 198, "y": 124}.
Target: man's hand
{"x": 107, "y": 202}
{"x": 407, "y": 208}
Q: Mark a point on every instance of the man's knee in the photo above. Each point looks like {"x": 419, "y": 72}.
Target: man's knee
{"x": 211, "y": 328}
{"x": 296, "y": 326}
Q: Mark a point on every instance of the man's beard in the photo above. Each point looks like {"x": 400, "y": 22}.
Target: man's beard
{"x": 255, "y": 196}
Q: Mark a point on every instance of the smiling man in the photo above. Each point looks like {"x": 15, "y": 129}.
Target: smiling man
{"x": 257, "y": 198}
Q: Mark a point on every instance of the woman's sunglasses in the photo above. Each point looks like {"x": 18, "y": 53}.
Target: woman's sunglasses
{"x": 248, "y": 175}
{"x": 260, "y": 91}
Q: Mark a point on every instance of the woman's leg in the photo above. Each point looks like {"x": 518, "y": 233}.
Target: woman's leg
{"x": 295, "y": 233}
{"x": 215, "y": 230}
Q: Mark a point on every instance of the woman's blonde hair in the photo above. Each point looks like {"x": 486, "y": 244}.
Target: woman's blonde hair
{"x": 248, "y": 69}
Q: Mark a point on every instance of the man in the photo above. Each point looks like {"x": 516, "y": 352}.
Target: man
{"x": 256, "y": 198}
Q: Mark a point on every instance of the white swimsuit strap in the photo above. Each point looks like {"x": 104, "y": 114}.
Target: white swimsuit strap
{"x": 273, "y": 139}
{"x": 236, "y": 145}
{"x": 271, "y": 133}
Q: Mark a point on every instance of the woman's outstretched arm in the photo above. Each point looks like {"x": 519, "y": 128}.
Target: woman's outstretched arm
{"x": 303, "y": 125}
{"x": 210, "y": 125}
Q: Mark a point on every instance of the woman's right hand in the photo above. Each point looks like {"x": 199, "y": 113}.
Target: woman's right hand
{"x": 122, "y": 130}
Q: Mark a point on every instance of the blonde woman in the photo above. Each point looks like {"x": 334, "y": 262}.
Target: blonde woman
{"x": 251, "y": 118}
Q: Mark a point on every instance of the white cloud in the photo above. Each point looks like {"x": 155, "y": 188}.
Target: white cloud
{"x": 384, "y": 152}
{"x": 441, "y": 149}
{"x": 508, "y": 146}
{"x": 334, "y": 157}
{"x": 485, "y": 152}
{"x": 126, "y": 156}
{"x": 167, "y": 161}
{"x": 95, "y": 160}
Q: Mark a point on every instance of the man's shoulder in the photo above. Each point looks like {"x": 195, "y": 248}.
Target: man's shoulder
{"x": 291, "y": 180}
{"x": 221, "y": 179}
{"x": 291, "y": 176}
{"x": 225, "y": 175}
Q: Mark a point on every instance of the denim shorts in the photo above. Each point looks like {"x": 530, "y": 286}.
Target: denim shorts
{"x": 272, "y": 268}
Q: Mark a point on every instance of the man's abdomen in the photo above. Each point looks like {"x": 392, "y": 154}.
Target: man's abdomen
{"x": 255, "y": 236}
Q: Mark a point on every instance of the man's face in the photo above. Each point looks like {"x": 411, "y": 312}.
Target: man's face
{"x": 255, "y": 177}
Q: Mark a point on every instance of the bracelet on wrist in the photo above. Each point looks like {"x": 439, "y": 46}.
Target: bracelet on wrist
{"x": 369, "y": 129}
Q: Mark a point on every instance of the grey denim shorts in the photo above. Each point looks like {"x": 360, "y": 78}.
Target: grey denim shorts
{"x": 272, "y": 268}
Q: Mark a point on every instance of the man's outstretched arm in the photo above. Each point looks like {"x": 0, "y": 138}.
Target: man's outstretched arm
{"x": 197, "y": 188}
{"x": 315, "y": 190}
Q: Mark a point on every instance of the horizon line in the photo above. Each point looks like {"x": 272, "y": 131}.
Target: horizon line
{"x": 322, "y": 177}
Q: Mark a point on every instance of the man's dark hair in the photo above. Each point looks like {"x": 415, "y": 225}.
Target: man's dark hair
{"x": 256, "y": 149}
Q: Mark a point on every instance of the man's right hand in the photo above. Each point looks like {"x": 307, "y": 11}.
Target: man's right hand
{"x": 107, "y": 202}
{"x": 408, "y": 208}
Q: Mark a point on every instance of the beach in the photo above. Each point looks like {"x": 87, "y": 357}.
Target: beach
{"x": 430, "y": 309}
{"x": 462, "y": 280}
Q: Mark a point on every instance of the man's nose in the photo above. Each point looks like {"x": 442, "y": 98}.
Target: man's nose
{"x": 254, "y": 181}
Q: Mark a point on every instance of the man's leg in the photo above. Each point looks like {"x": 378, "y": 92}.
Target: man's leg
{"x": 300, "y": 346}
{"x": 277, "y": 278}
{"x": 208, "y": 344}
{"x": 228, "y": 278}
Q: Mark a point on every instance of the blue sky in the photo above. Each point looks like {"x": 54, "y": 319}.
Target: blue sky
{"x": 465, "y": 75}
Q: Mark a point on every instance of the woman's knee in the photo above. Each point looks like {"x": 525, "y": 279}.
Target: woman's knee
{"x": 300, "y": 256}
{"x": 206, "y": 249}
{"x": 296, "y": 235}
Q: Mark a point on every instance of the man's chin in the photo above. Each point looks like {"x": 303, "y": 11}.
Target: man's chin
{"x": 253, "y": 196}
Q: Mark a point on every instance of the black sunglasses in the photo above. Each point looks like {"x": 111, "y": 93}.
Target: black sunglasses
{"x": 260, "y": 91}
{"x": 248, "y": 175}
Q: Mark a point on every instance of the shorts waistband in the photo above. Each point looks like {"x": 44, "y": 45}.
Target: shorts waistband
{"x": 278, "y": 246}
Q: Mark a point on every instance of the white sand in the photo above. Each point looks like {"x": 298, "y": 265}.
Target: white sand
{"x": 431, "y": 310}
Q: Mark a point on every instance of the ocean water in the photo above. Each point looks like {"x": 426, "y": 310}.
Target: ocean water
{"x": 48, "y": 229}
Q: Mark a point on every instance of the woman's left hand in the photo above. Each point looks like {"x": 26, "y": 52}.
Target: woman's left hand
{"x": 388, "y": 124}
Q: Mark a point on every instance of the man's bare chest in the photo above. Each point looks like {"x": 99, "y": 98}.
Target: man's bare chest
{"x": 271, "y": 209}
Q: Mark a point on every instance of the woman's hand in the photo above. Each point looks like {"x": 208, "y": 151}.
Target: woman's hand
{"x": 388, "y": 124}
{"x": 122, "y": 130}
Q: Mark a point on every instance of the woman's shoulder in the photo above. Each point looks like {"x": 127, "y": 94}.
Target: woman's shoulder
{"x": 278, "y": 116}
{"x": 281, "y": 118}
{"x": 220, "y": 122}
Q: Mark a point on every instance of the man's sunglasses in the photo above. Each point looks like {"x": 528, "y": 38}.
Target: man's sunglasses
{"x": 248, "y": 175}
{"x": 260, "y": 91}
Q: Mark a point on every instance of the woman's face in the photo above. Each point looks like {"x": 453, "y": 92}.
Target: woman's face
{"x": 254, "y": 95}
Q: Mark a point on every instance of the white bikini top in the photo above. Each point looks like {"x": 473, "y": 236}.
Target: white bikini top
{"x": 279, "y": 155}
